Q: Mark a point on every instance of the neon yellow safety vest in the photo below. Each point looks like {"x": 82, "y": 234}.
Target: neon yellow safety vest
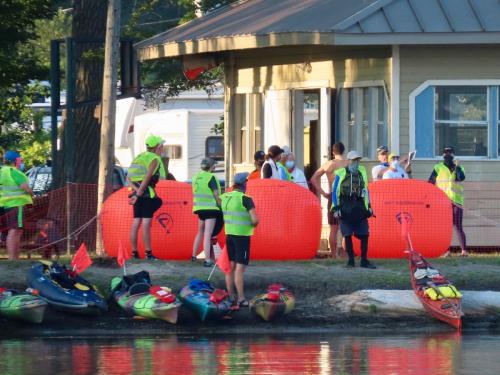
{"x": 203, "y": 196}
{"x": 140, "y": 165}
{"x": 237, "y": 220}
{"x": 342, "y": 173}
{"x": 447, "y": 182}
{"x": 285, "y": 169}
{"x": 11, "y": 194}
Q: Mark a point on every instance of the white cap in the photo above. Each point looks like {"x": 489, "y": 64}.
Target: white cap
{"x": 353, "y": 155}
{"x": 286, "y": 149}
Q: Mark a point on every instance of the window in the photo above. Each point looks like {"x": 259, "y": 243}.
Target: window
{"x": 461, "y": 116}
{"x": 214, "y": 148}
{"x": 248, "y": 132}
{"x": 363, "y": 119}
{"x": 173, "y": 151}
{"x": 461, "y": 119}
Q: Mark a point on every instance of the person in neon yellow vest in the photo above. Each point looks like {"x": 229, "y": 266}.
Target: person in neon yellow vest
{"x": 240, "y": 220}
{"x": 15, "y": 193}
{"x": 351, "y": 204}
{"x": 448, "y": 176}
{"x": 143, "y": 175}
{"x": 206, "y": 204}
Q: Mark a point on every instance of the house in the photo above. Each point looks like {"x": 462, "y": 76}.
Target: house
{"x": 410, "y": 74}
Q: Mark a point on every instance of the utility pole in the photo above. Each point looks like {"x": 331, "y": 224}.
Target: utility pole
{"x": 108, "y": 114}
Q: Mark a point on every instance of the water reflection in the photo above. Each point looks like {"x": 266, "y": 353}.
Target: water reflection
{"x": 326, "y": 354}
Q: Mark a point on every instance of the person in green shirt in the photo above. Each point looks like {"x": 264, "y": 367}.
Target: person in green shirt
{"x": 240, "y": 219}
{"x": 15, "y": 193}
{"x": 143, "y": 175}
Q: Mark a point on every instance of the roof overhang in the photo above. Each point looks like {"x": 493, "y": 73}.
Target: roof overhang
{"x": 232, "y": 43}
{"x": 242, "y": 42}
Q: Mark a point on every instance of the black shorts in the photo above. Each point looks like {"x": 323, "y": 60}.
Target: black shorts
{"x": 358, "y": 228}
{"x": 144, "y": 208}
{"x": 212, "y": 214}
{"x": 13, "y": 217}
{"x": 238, "y": 248}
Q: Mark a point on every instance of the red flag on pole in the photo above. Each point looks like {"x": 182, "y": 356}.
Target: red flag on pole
{"x": 223, "y": 261}
{"x": 81, "y": 261}
{"x": 122, "y": 256}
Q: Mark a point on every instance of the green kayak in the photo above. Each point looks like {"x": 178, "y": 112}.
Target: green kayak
{"x": 21, "y": 305}
{"x": 138, "y": 297}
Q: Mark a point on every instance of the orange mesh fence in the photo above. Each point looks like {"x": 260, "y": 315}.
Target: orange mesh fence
{"x": 289, "y": 220}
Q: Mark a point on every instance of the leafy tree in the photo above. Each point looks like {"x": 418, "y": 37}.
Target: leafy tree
{"x": 17, "y": 18}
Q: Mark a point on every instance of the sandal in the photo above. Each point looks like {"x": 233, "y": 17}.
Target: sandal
{"x": 243, "y": 303}
{"x": 464, "y": 254}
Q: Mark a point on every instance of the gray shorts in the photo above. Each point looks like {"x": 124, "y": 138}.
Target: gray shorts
{"x": 358, "y": 228}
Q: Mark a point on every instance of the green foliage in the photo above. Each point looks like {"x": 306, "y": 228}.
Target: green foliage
{"x": 14, "y": 106}
{"x": 17, "y": 19}
{"x": 204, "y": 5}
{"x": 218, "y": 128}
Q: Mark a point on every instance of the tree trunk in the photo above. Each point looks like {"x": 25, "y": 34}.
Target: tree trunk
{"x": 80, "y": 145}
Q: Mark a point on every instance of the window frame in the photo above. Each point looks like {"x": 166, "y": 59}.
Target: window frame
{"x": 490, "y": 84}
{"x": 356, "y": 91}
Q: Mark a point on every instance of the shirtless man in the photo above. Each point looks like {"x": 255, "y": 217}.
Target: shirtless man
{"x": 329, "y": 169}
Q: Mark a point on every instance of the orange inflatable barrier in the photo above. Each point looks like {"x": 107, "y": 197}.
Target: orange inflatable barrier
{"x": 290, "y": 222}
{"x": 425, "y": 208}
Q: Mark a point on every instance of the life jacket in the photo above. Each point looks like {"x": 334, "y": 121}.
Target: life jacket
{"x": 446, "y": 181}
{"x": 347, "y": 195}
{"x": 445, "y": 291}
{"x": 203, "y": 196}
{"x": 274, "y": 168}
{"x": 11, "y": 194}
{"x": 237, "y": 220}
{"x": 139, "y": 168}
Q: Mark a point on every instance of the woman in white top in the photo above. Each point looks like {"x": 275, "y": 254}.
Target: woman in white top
{"x": 395, "y": 170}
{"x": 270, "y": 168}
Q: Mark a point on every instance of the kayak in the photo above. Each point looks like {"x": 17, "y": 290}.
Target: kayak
{"x": 204, "y": 300}
{"x": 65, "y": 290}
{"x": 278, "y": 301}
{"x": 137, "y": 296}
{"x": 21, "y": 305}
{"x": 427, "y": 280}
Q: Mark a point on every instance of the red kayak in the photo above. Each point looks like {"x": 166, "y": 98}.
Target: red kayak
{"x": 425, "y": 280}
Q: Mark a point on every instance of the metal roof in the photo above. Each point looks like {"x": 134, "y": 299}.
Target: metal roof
{"x": 268, "y": 23}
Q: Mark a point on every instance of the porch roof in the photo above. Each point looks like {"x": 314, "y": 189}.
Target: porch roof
{"x": 270, "y": 23}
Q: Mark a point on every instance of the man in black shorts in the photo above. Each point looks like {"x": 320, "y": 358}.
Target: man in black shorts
{"x": 240, "y": 220}
{"x": 144, "y": 172}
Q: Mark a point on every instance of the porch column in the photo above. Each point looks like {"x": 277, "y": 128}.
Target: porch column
{"x": 325, "y": 121}
{"x": 277, "y": 118}
{"x": 229, "y": 122}
{"x": 395, "y": 90}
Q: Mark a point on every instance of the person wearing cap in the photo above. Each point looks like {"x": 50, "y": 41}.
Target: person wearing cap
{"x": 259, "y": 159}
{"x": 284, "y": 173}
{"x": 206, "y": 204}
{"x": 240, "y": 220}
{"x": 15, "y": 193}
{"x": 351, "y": 204}
{"x": 395, "y": 170}
{"x": 297, "y": 176}
{"x": 448, "y": 175}
{"x": 144, "y": 173}
{"x": 379, "y": 170}
{"x": 329, "y": 168}
{"x": 270, "y": 167}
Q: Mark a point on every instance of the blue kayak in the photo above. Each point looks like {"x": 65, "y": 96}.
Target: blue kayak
{"x": 204, "y": 300}
{"x": 65, "y": 290}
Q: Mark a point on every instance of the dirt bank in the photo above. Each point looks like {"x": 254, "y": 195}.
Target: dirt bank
{"x": 314, "y": 283}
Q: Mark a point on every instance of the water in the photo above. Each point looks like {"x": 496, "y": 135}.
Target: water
{"x": 282, "y": 354}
